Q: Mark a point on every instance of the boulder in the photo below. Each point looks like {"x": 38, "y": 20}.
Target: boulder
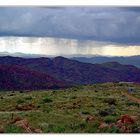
{"x": 25, "y": 107}
{"x": 126, "y": 119}
{"x": 2, "y": 130}
{"x": 24, "y": 124}
{"x": 103, "y": 125}
{"x": 15, "y": 119}
{"x": 90, "y": 118}
{"x": 37, "y": 131}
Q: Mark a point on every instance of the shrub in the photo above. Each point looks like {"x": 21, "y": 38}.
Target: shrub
{"x": 75, "y": 90}
{"x": 20, "y": 101}
{"x": 21, "y": 91}
{"x": 109, "y": 119}
{"x": 85, "y": 112}
{"x": 110, "y": 101}
{"x": 11, "y": 128}
{"x": 47, "y": 100}
{"x": 73, "y": 97}
{"x": 47, "y": 109}
{"x": 28, "y": 98}
{"x": 103, "y": 113}
{"x": 82, "y": 125}
{"x": 120, "y": 85}
{"x": 133, "y": 104}
{"x": 1, "y": 97}
{"x": 107, "y": 111}
{"x": 113, "y": 130}
{"x": 135, "y": 128}
{"x": 11, "y": 95}
{"x": 55, "y": 129}
{"x": 93, "y": 128}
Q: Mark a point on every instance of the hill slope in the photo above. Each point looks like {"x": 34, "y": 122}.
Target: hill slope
{"x": 98, "y": 108}
{"x": 14, "y": 77}
{"x": 77, "y": 72}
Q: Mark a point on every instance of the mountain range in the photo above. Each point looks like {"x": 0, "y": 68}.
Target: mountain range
{"x": 99, "y": 59}
{"x": 126, "y": 60}
{"x": 59, "y": 72}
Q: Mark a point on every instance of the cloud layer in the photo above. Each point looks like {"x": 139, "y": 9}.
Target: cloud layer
{"x": 63, "y": 47}
{"x": 111, "y": 24}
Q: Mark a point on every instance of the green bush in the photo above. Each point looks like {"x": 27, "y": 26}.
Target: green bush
{"x": 135, "y": 128}
{"x": 82, "y": 125}
{"x": 54, "y": 129}
{"x": 47, "y": 109}
{"x": 85, "y": 112}
{"x": 109, "y": 119}
{"x": 108, "y": 111}
{"x": 73, "y": 97}
{"x": 11, "y": 128}
{"x": 133, "y": 104}
{"x": 28, "y": 98}
{"x": 110, "y": 101}
{"x": 47, "y": 100}
{"x": 104, "y": 112}
{"x": 21, "y": 91}
{"x": 113, "y": 130}
{"x": 93, "y": 128}
{"x": 20, "y": 101}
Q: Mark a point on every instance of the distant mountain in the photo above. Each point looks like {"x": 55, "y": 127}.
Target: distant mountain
{"x": 76, "y": 72}
{"x": 94, "y": 59}
{"x": 19, "y": 54}
{"x": 131, "y": 60}
{"x": 13, "y": 77}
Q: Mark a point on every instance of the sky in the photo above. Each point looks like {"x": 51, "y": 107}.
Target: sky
{"x": 89, "y": 30}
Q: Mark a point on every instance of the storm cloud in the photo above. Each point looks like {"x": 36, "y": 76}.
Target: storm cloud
{"x": 65, "y": 47}
{"x": 111, "y": 24}
{"x": 70, "y": 30}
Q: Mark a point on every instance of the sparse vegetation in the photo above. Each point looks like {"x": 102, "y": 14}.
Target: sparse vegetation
{"x": 47, "y": 100}
{"x": 72, "y": 110}
{"x": 12, "y": 128}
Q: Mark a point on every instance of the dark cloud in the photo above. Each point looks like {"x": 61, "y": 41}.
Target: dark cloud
{"x": 134, "y": 9}
{"x": 113, "y": 24}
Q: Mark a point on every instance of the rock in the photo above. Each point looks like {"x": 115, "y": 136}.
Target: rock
{"x": 126, "y": 119}
{"x": 14, "y": 120}
{"x": 122, "y": 126}
{"x": 1, "y": 130}
{"x": 135, "y": 118}
{"x": 23, "y": 124}
{"x": 90, "y": 118}
{"x": 119, "y": 123}
{"x": 25, "y": 107}
{"x": 20, "y": 123}
{"x": 103, "y": 125}
{"x": 37, "y": 131}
